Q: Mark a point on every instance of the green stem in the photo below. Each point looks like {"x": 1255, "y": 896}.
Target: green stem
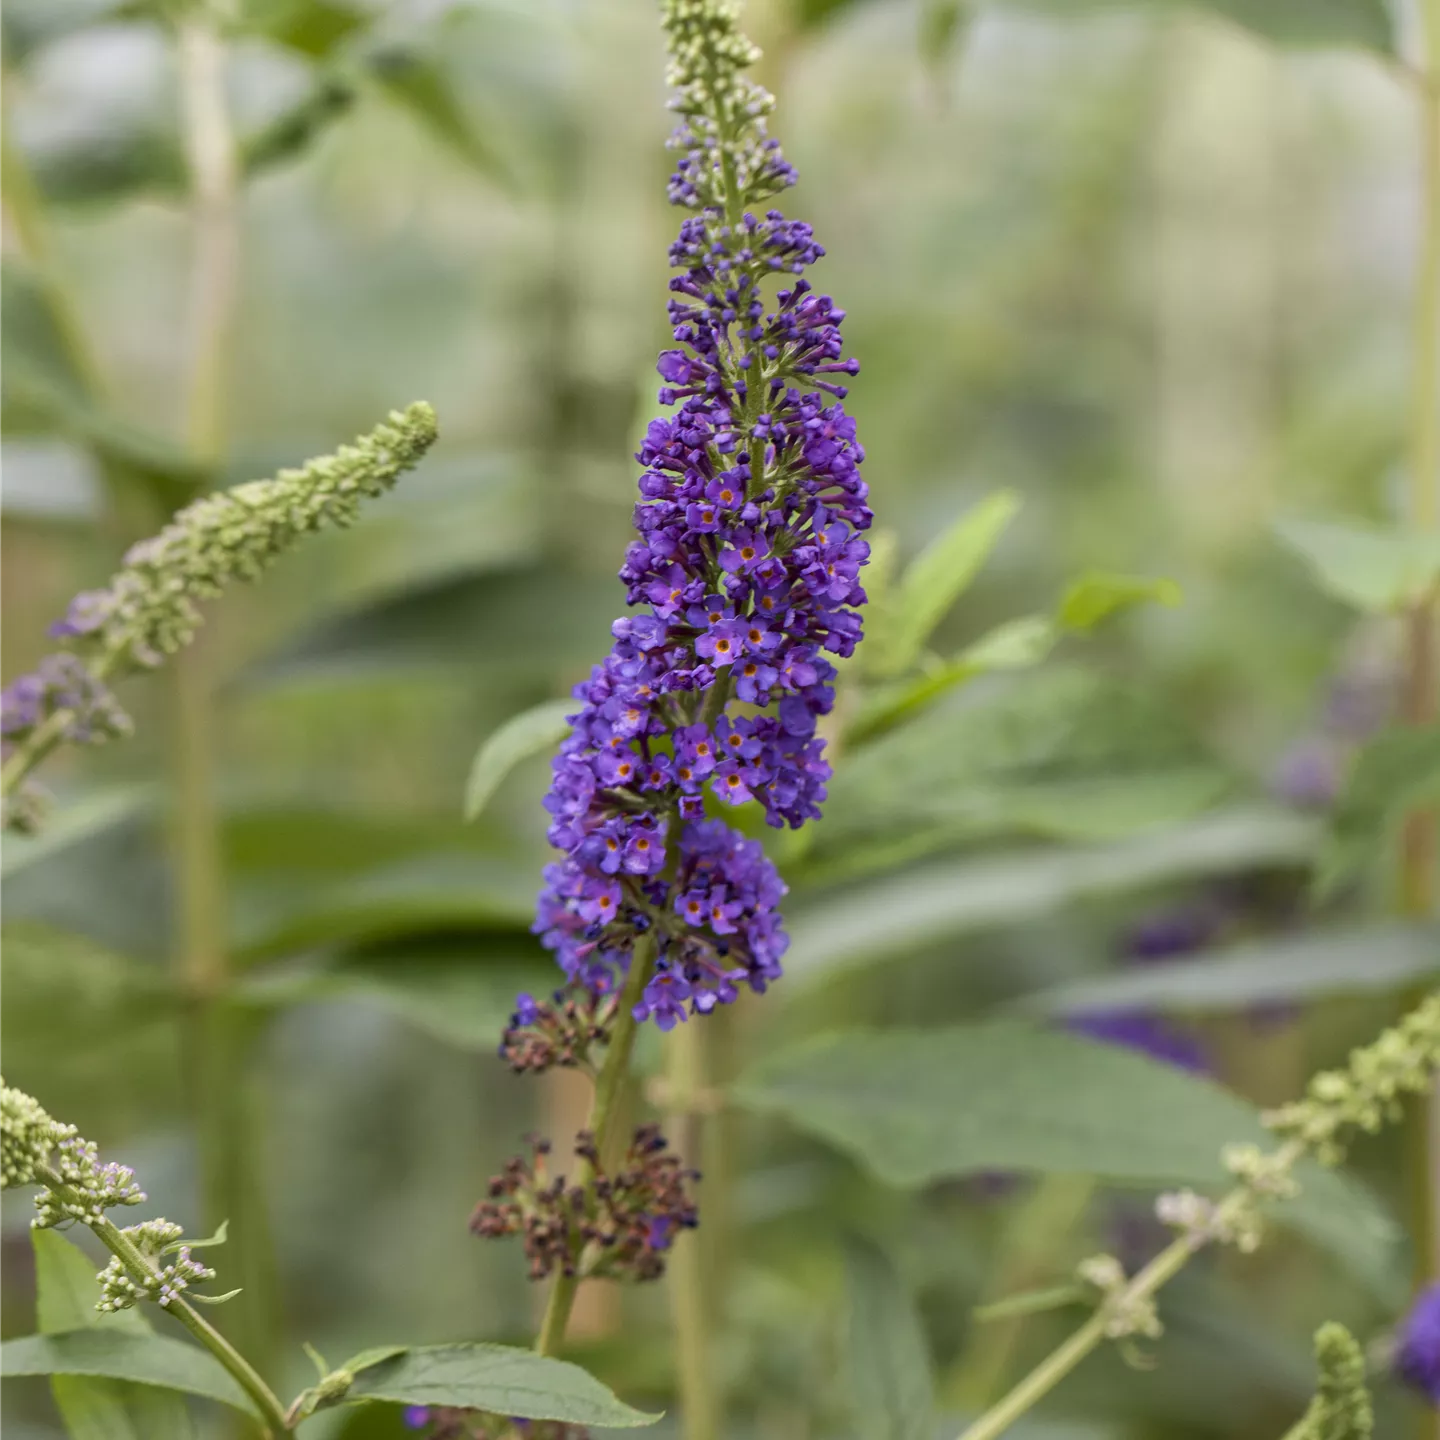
{"x": 603, "y": 1113}
{"x": 689, "y": 1305}
{"x": 1163, "y": 1268}
{"x": 1026, "y": 1252}
{"x": 216, "y": 1039}
{"x": 272, "y": 1412}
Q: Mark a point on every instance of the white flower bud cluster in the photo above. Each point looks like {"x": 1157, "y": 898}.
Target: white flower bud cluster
{"x": 90, "y": 1188}
{"x": 707, "y": 53}
{"x": 27, "y": 1136}
{"x": 120, "y": 1290}
{"x": 1369, "y": 1091}
{"x": 1125, "y": 1315}
{"x": 1267, "y": 1175}
{"x": 148, "y": 609}
{"x": 1201, "y": 1221}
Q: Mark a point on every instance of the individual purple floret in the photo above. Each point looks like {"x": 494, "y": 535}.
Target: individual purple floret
{"x": 744, "y": 586}
{"x": 1417, "y": 1356}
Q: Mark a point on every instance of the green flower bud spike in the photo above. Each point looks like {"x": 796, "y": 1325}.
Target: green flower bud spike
{"x": 149, "y": 609}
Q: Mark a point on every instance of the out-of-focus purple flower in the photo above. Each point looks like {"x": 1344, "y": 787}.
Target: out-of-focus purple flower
{"x": 416, "y": 1417}
{"x": 1359, "y": 704}
{"x": 1309, "y": 773}
{"x": 1172, "y": 931}
{"x": 1149, "y": 1034}
{"x": 1417, "y": 1355}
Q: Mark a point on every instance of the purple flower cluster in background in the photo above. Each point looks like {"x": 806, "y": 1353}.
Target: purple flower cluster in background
{"x": 745, "y": 582}
{"x": 449, "y": 1422}
{"x": 1165, "y": 934}
{"x": 1417, "y": 1356}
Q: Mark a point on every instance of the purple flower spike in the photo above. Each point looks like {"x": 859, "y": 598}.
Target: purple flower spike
{"x": 743, "y": 582}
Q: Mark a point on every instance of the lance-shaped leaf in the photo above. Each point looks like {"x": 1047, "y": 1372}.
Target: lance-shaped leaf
{"x": 916, "y": 1106}
{"x": 1395, "y": 773}
{"x": 141, "y": 1359}
{"x": 531, "y": 732}
{"x": 1363, "y": 23}
{"x": 497, "y": 1378}
{"x": 1269, "y": 972}
{"x": 892, "y": 1390}
{"x": 897, "y": 915}
{"x": 1367, "y": 566}
{"x": 1099, "y": 594}
{"x": 932, "y": 583}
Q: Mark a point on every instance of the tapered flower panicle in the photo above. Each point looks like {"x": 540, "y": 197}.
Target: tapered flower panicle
{"x": 743, "y": 582}
{"x": 149, "y": 609}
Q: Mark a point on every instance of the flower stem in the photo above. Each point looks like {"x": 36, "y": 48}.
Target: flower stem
{"x": 603, "y": 1111}
{"x": 1162, "y": 1269}
{"x": 272, "y": 1412}
{"x": 685, "y": 1052}
{"x": 1025, "y": 1252}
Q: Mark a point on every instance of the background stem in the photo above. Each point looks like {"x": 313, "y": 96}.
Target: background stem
{"x": 217, "y": 1039}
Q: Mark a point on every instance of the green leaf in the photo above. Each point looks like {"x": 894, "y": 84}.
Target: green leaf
{"x": 1269, "y": 972}
{"x": 525, "y": 620}
{"x": 935, "y": 579}
{"x": 815, "y": 14}
{"x": 124, "y": 1355}
{"x": 1365, "y": 23}
{"x": 891, "y": 1386}
{"x": 44, "y": 391}
{"x": 1097, "y": 595}
{"x": 1367, "y": 566}
{"x": 1060, "y": 752}
{"x": 943, "y": 25}
{"x": 420, "y": 84}
{"x": 535, "y": 730}
{"x": 917, "y": 1106}
{"x": 459, "y": 990}
{"x": 74, "y": 823}
{"x": 67, "y": 1290}
{"x": 1014, "y": 645}
{"x": 315, "y": 28}
{"x": 459, "y": 889}
{"x": 841, "y": 929}
{"x": 1395, "y": 773}
{"x": 291, "y": 133}
{"x": 69, "y": 1005}
{"x": 497, "y": 1378}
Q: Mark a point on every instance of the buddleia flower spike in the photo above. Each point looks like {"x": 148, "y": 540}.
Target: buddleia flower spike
{"x": 149, "y": 609}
